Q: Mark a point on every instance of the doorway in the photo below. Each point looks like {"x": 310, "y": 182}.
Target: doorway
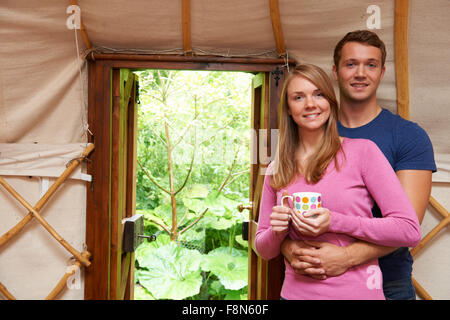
{"x": 193, "y": 148}
{"x": 111, "y": 273}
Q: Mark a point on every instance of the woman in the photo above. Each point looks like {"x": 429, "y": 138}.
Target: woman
{"x": 349, "y": 173}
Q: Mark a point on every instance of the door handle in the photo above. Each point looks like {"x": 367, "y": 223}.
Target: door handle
{"x": 242, "y": 207}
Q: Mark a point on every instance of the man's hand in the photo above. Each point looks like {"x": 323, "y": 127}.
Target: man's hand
{"x": 334, "y": 260}
{"x": 318, "y": 260}
{"x": 301, "y": 258}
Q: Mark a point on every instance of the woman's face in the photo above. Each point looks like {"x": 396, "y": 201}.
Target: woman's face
{"x": 307, "y": 105}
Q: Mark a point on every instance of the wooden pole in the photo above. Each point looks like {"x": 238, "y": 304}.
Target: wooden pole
{"x": 186, "y": 25}
{"x": 439, "y": 208}
{"x": 189, "y": 59}
{"x": 402, "y": 82}
{"x": 6, "y": 293}
{"x": 276, "y": 27}
{"x": 401, "y": 57}
{"x": 420, "y": 290}
{"x": 431, "y": 235}
{"x": 71, "y": 167}
{"x": 44, "y": 223}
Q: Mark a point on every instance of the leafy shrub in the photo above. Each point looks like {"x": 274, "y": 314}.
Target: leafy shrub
{"x": 193, "y": 151}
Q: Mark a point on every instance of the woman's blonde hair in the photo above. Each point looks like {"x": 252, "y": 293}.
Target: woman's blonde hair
{"x": 285, "y": 164}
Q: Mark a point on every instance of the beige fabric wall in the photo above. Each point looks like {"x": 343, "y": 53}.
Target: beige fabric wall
{"x": 43, "y": 101}
{"x": 429, "y": 53}
{"x": 41, "y": 117}
{"x": 40, "y": 92}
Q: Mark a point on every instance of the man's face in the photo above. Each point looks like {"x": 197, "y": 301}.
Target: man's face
{"x": 359, "y": 72}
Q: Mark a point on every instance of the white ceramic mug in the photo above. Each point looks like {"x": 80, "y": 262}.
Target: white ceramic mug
{"x": 304, "y": 201}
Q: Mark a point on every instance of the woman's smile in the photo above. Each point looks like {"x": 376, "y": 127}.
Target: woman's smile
{"x": 307, "y": 105}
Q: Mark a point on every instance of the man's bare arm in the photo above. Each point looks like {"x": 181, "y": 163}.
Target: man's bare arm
{"x": 417, "y": 185}
{"x": 336, "y": 260}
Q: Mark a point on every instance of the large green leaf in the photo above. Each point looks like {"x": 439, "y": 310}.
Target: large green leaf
{"x": 196, "y": 205}
{"x": 230, "y": 265}
{"x": 172, "y": 272}
{"x": 222, "y": 212}
{"x": 241, "y": 241}
{"x": 146, "y": 248}
{"x": 141, "y": 293}
{"x": 213, "y": 222}
{"x": 197, "y": 191}
{"x": 163, "y": 213}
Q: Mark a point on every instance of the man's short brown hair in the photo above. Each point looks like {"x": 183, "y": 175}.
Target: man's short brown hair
{"x": 362, "y": 36}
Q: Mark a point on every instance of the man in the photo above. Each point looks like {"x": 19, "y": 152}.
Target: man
{"x": 359, "y": 60}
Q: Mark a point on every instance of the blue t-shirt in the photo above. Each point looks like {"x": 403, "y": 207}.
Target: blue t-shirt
{"x": 407, "y": 147}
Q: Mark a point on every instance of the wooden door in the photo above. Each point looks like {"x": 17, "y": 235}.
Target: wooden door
{"x": 123, "y": 179}
{"x": 265, "y": 277}
{"x": 106, "y": 278}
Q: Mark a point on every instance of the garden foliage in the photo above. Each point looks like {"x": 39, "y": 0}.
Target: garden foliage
{"x": 193, "y": 153}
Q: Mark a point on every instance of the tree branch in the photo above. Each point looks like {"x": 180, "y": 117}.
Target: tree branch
{"x": 151, "y": 179}
{"x": 182, "y": 136}
{"x": 184, "y": 216}
{"x": 192, "y": 163}
{"x": 231, "y": 170}
{"x": 166, "y": 228}
{"x": 220, "y": 189}
{"x": 194, "y": 222}
{"x": 218, "y": 130}
{"x": 235, "y": 177}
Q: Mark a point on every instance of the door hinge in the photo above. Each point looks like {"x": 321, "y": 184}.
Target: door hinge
{"x": 276, "y": 75}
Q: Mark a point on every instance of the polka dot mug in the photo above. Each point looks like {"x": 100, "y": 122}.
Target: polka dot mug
{"x": 304, "y": 201}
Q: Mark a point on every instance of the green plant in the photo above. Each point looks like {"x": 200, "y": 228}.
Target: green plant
{"x": 193, "y": 172}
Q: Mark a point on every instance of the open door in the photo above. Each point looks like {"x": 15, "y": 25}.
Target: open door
{"x": 110, "y": 196}
{"x": 265, "y": 277}
{"x": 123, "y": 179}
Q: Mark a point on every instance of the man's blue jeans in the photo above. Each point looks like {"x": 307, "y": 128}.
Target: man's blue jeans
{"x": 402, "y": 289}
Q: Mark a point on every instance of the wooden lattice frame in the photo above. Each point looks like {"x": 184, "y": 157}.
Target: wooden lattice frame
{"x": 402, "y": 83}
{"x": 82, "y": 258}
{"x": 444, "y": 222}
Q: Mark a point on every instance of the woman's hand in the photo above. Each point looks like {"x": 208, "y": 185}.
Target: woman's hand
{"x": 313, "y": 222}
{"x": 279, "y": 219}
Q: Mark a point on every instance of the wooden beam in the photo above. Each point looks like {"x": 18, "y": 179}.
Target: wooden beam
{"x": 6, "y": 293}
{"x": 401, "y": 57}
{"x": 44, "y": 223}
{"x": 96, "y": 286}
{"x": 276, "y": 27}
{"x": 186, "y": 24}
{"x": 84, "y": 35}
{"x": 420, "y": 290}
{"x": 439, "y": 208}
{"x": 444, "y": 223}
{"x": 178, "y": 58}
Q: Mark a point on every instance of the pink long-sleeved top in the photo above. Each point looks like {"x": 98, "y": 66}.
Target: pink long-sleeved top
{"x": 364, "y": 176}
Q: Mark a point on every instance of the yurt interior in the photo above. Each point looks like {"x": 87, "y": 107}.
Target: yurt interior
{"x": 72, "y": 91}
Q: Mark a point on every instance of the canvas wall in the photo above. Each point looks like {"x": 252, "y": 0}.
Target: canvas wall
{"x": 43, "y": 97}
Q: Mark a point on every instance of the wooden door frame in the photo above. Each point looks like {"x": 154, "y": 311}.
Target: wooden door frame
{"x": 98, "y": 200}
